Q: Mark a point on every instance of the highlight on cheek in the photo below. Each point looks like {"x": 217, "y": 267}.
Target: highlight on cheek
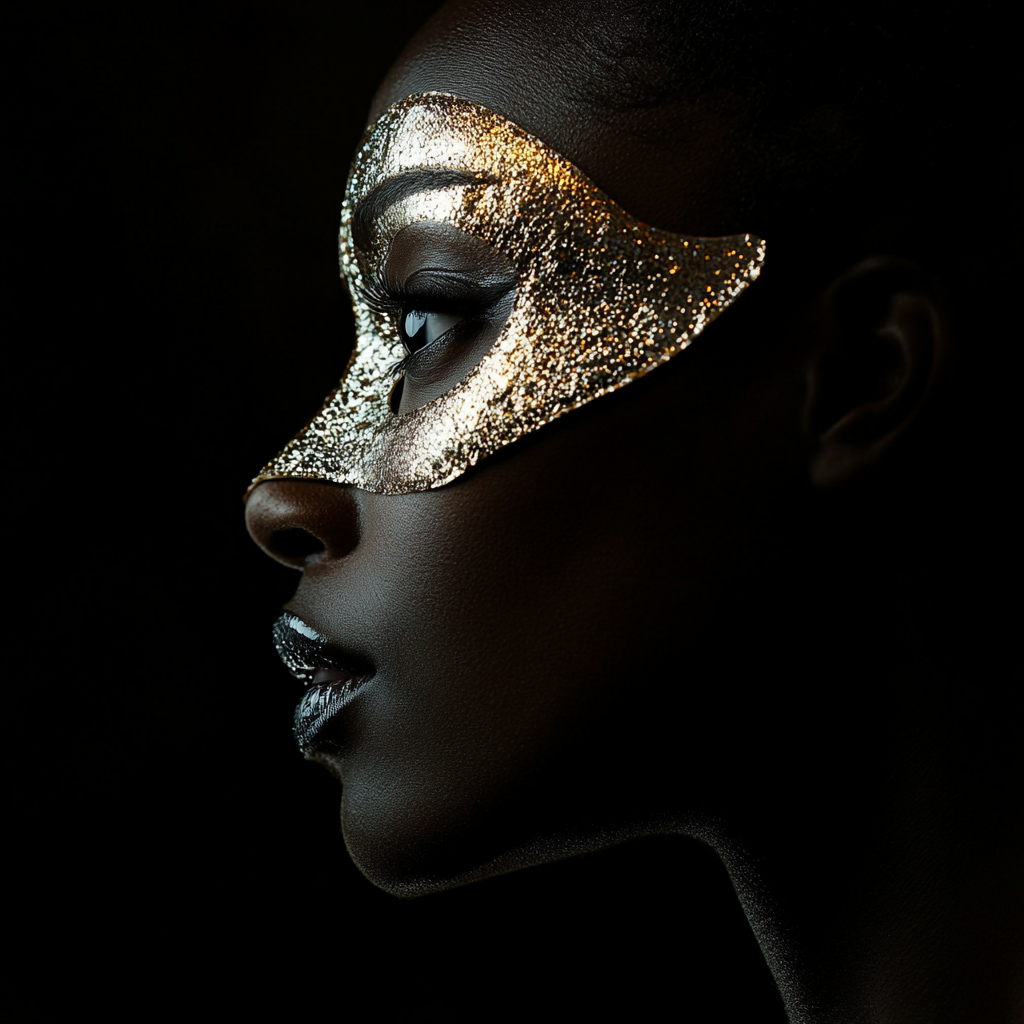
{"x": 600, "y": 299}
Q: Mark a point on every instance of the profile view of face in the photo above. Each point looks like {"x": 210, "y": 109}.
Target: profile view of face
{"x": 499, "y": 667}
{"x": 600, "y": 536}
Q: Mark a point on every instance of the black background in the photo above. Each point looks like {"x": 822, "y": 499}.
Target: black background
{"x": 177, "y": 316}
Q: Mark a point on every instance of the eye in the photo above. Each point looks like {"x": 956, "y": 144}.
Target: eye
{"x": 420, "y": 328}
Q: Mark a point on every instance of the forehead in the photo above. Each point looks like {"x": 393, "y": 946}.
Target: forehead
{"x": 468, "y": 51}
{"x": 670, "y": 165}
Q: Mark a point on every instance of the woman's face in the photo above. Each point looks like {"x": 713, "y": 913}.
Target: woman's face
{"x": 540, "y": 637}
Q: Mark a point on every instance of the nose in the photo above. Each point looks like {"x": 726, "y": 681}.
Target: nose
{"x": 301, "y": 521}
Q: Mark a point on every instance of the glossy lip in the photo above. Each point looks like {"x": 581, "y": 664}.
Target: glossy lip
{"x": 332, "y": 678}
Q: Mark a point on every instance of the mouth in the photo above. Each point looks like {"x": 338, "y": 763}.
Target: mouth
{"x": 332, "y": 678}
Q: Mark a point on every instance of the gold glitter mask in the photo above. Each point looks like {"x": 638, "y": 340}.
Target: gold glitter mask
{"x": 600, "y": 299}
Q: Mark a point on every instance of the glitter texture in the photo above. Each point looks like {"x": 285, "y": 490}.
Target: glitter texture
{"x": 601, "y": 299}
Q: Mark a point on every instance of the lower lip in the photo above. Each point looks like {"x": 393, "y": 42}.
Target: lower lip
{"x": 320, "y": 706}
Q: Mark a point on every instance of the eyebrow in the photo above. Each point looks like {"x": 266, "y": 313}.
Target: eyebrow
{"x": 370, "y": 208}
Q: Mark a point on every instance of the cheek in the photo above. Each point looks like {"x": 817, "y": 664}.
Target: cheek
{"x": 491, "y": 649}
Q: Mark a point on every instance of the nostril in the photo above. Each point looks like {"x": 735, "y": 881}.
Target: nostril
{"x": 296, "y": 543}
{"x": 294, "y": 521}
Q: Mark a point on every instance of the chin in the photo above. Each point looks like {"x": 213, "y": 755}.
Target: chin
{"x": 410, "y": 843}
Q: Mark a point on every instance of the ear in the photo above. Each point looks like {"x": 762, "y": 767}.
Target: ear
{"x": 881, "y": 339}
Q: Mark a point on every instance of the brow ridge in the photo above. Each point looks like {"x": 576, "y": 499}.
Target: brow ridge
{"x": 371, "y": 207}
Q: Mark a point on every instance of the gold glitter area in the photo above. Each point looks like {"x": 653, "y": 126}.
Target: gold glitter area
{"x": 600, "y": 299}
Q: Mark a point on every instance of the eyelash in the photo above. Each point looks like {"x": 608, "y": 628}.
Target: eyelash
{"x": 401, "y": 366}
{"x": 394, "y": 303}
{"x": 381, "y": 297}
{"x": 389, "y": 302}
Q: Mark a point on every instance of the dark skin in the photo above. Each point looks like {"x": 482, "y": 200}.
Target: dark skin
{"x": 580, "y": 640}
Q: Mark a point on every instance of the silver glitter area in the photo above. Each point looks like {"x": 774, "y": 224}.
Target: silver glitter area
{"x": 600, "y": 300}
{"x": 300, "y": 647}
{"x": 319, "y": 706}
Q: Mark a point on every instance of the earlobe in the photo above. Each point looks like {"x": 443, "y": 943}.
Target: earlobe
{"x": 881, "y": 337}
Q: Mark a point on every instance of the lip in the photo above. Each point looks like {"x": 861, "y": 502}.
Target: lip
{"x": 332, "y": 678}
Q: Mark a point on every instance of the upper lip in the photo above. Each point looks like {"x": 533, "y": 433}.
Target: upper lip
{"x": 305, "y": 651}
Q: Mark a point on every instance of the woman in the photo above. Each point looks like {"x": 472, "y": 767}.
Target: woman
{"x": 542, "y": 612}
